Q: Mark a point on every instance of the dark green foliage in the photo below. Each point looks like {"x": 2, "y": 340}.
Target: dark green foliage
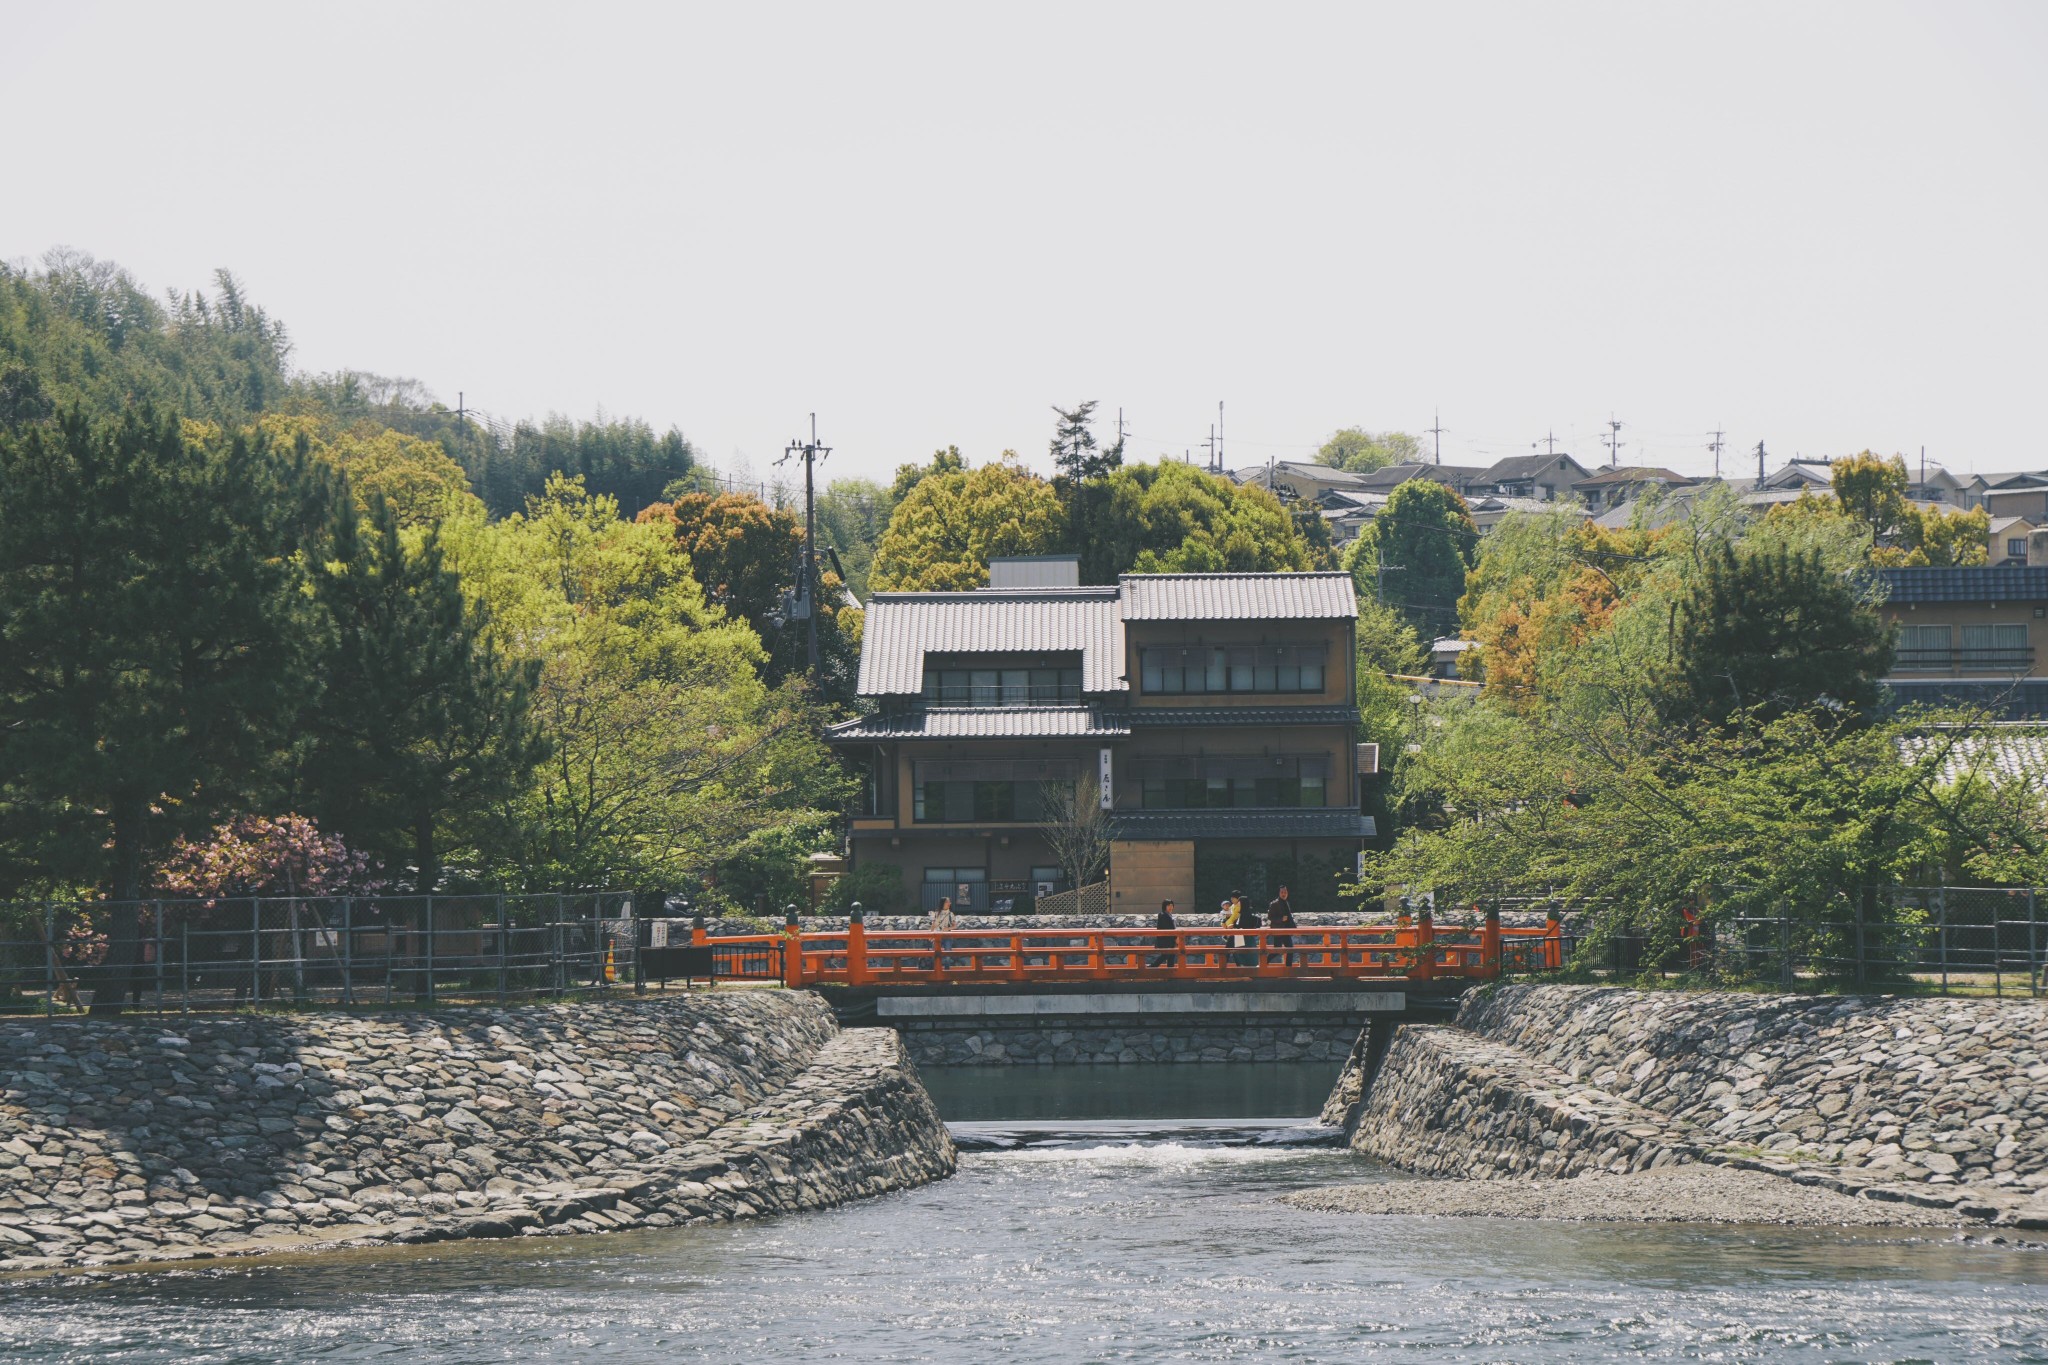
{"x": 82, "y": 332}
{"x": 421, "y": 721}
{"x": 1074, "y": 452}
{"x": 154, "y": 643}
{"x": 1771, "y": 632}
{"x": 622, "y": 459}
{"x": 1415, "y": 553}
{"x": 877, "y": 886}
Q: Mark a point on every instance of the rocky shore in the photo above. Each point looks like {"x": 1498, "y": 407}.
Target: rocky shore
{"x": 126, "y": 1141}
{"x": 1938, "y": 1105}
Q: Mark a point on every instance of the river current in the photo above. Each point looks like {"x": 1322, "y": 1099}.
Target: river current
{"x": 1140, "y": 1225}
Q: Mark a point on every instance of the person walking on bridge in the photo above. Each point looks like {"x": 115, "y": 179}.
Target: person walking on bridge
{"x": 1168, "y": 941}
{"x": 1280, "y": 915}
{"x": 1248, "y": 918}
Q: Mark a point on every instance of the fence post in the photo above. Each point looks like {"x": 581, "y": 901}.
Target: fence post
{"x": 430, "y": 949}
{"x": 1941, "y": 932}
{"x": 185, "y": 964}
{"x": 49, "y": 957}
{"x": 156, "y": 914}
{"x": 1997, "y": 953}
{"x": 503, "y": 931}
{"x": 1863, "y": 900}
{"x": 857, "y": 945}
{"x": 255, "y": 949}
{"x": 348, "y": 950}
{"x": 1784, "y": 950}
{"x": 1553, "y": 938}
{"x": 633, "y": 937}
{"x": 2033, "y": 950}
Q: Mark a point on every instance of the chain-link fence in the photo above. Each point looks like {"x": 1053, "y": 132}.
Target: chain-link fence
{"x": 347, "y": 951}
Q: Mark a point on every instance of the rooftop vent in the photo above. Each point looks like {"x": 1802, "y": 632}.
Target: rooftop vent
{"x": 1035, "y": 571}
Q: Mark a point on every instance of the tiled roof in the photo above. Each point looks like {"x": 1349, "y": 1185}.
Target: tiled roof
{"x": 1631, "y": 474}
{"x": 986, "y": 722}
{"x": 1978, "y": 583}
{"x": 1239, "y": 597}
{"x": 902, "y": 627}
{"x": 1516, "y": 467}
{"x": 2020, "y": 752}
{"x": 1140, "y": 717}
{"x": 1242, "y": 824}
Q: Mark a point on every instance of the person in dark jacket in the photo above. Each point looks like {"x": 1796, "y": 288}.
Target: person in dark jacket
{"x": 1280, "y": 915}
{"x": 1167, "y": 943}
{"x": 1248, "y": 919}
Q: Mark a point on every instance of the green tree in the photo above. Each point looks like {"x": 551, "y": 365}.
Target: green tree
{"x": 1174, "y": 518}
{"x": 1074, "y": 452}
{"x": 947, "y": 528}
{"x": 155, "y": 637}
{"x": 1873, "y": 490}
{"x": 947, "y": 461}
{"x": 1361, "y": 451}
{"x": 852, "y": 514}
{"x": 1414, "y": 555}
{"x": 423, "y": 722}
{"x": 416, "y": 477}
{"x": 1772, "y": 632}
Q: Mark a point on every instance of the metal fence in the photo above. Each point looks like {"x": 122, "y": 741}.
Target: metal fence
{"x": 1967, "y": 940}
{"x": 347, "y": 951}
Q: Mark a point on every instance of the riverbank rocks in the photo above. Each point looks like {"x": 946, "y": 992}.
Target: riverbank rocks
{"x": 1941, "y": 1103}
{"x": 133, "y": 1140}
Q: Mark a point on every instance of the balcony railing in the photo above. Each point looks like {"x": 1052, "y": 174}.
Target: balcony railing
{"x": 2013, "y": 660}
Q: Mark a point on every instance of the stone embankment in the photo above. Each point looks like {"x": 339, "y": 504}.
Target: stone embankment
{"x": 1938, "y": 1103}
{"x": 127, "y": 1140}
{"x": 1287, "y": 1038}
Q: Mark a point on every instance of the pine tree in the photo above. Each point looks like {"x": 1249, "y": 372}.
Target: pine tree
{"x": 153, "y": 638}
{"x": 422, "y": 719}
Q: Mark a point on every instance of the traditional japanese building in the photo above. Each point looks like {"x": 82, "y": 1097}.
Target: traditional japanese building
{"x": 1210, "y": 717}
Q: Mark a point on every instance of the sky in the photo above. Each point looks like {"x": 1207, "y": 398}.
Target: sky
{"x": 1819, "y": 226}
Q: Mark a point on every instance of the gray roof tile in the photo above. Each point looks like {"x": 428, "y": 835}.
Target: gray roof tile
{"x": 902, "y": 627}
{"x": 1238, "y": 597}
{"x": 986, "y": 722}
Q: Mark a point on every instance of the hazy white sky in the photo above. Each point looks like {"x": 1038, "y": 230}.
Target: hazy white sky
{"x": 1819, "y": 225}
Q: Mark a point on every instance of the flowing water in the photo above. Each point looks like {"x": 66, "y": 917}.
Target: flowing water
{"x": 1140, "y": 1224}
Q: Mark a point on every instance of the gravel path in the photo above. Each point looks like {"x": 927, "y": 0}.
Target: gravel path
{"x": 1671, "y": 1194}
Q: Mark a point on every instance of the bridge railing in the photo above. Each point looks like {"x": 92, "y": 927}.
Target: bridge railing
{"x": 1382, "y": 952}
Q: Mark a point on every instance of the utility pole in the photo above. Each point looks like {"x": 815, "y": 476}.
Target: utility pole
{"x": 1437, "y": 433}
{"x": 1550, "y": 442}
{"x": 1614, "y": 442}
{"x": 807, "y": 580}
{"x": 1715, "y": 446}
{"x": 1759, "y": 464}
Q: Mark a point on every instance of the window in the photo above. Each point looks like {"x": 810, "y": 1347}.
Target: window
{"x": 968, "y": 887}
{"x": 1009, "y": 686}
{"x": 2016, "y": 547}
{"x": 1925, "y": 647}
{"x": 1213, "y": 782}
{"x": 992, "y": 791}
{"x": 1995, "y": 646}
{"x": 1244, "y": 668}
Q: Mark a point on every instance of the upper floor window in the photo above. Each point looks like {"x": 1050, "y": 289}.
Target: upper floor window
{"x": 995, "y": 791}
{"x": 1001, "y": 686}
{"x": 1236, "y": 668}
{"x": 1210, "y": 781}
{"x": 2016, "y": 547}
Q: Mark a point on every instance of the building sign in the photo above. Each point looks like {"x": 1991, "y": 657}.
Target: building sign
{"x": 1103, "y": 782}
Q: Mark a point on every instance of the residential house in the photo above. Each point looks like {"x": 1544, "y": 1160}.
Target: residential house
{"x": 1214, "y": 713}
{"x": 1463, "y": 478}
{"x": 1970, "y": 637}
{"x": 2018, "y": 495}
{"x": 1546, "y": 478}
{"x": 1610, "y": 488}
{"x": 2008, "y": 540}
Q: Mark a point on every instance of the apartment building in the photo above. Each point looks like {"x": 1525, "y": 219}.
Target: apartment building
{"x": 1970, "y": 637}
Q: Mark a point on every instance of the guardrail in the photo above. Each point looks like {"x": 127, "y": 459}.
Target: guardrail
{"x": 1410, "y": 953}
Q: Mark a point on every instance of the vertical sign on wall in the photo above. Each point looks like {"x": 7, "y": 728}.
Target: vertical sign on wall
{"x": 1103, "y": 781}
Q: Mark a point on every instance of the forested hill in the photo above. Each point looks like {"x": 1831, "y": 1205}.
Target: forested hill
{"x": 75, "y": 331}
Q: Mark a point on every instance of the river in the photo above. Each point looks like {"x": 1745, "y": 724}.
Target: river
{"x": 1139, "y": 1225}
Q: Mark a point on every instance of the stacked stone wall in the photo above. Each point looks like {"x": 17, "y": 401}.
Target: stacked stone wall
{"x": 1938, "y": 1102}
{"x": 129, "y": 1140}
{"x": 1107, "y": 1039}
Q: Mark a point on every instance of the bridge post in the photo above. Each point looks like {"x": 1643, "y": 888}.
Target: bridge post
{"x": 1489, "y": 943}
{"x": 857, "y": 945}
{"x": 699, "y": 936}
{"x": 1425, "y": 945}
{"x": 1553, "y": 940}
{"x": 792, "y": 949}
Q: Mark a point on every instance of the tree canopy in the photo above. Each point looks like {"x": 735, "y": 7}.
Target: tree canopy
{"x": 1414, "y": 553}
{"x": 1362, "y": 451}
{"x": 951, "y": 523}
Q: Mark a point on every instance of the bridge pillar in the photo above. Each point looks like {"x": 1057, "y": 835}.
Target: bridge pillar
{"x": 1489, "y": 943}
{"x": 857, "y": 946}
{"x": 792, "y": 949}
{"x": 1553, "y": 940}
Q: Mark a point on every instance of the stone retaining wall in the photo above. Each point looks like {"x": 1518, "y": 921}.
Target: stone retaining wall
{"x": 1938, "y": 1102}
{"x": 129, "y": 1140}
{"x": 1109, "y": 1039}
